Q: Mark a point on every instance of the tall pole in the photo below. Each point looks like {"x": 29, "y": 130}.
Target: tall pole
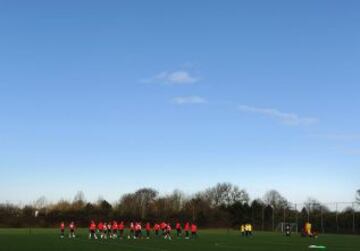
{"x": 353, "y": 226}
{"x": 322, "y": 219}
{"x": 296, "y": 218}
{"x": 337, "y": 222}
{"x": 273, "y": 218}
{"x": 262, "y": 217}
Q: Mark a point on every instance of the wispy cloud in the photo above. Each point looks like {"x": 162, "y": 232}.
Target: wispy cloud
{"x": 185, "y": 100}
{"x": 175, "y": 77}
{"x": 340, "y": 136}
{"x": 285, "y": 118}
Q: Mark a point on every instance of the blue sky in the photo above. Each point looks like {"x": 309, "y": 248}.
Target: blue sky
{"x": 100, "y": 95}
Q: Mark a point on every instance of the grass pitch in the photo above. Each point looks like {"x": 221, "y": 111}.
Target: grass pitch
{"x": 48, "y": 239}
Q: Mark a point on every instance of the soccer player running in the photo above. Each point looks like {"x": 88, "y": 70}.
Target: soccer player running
{"x": 178, "y": 230}
{"x": 193, "y": 231}
{"x": 92, "y": 230}
{"x": 187, "y": 229}
{"x": 62, "y": 230}
{"x": 72, "y": 230}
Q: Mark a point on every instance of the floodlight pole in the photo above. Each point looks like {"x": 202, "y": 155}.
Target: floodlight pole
{"x": 353, "y": 207}
{"x": 262, "y": 216}
{"x": 337, "y": 220}
{"x": 296, "y": 217}
{"x": 322, "y": 219}
{"x": 273, "y": 219}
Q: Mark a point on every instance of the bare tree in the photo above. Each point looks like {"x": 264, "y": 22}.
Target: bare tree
{"x": 224, "y": 194}
{"x": 358, "y": 196}
{"x": 40, "y": 203}
{"x": 274, "y": 199}
{"x": 79, "y": 200}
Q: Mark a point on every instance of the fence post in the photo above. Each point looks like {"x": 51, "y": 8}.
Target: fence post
{"x": 337, "y": 220}
{"x": 284, "y": 216}
{"x": 273, "y": 219}
{"x": 353, "y": 209}
{"x": 296, "y": 219}
{"x": 322, "y": 219}
{"x": 262, "y": 217}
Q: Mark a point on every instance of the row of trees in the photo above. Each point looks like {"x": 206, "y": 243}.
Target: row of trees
{"x": 224, "y": 205}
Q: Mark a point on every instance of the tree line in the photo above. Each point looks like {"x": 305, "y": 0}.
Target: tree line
{"x": 224, "y": 206}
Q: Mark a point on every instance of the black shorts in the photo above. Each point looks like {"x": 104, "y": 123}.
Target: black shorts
{"x": 62, "y": 231}
{"x": 72, "y": 230}
{"x": 92, "y": 231}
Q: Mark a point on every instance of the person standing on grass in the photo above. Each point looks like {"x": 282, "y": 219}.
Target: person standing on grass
{"x": 132, "y": 229}
{"x": 121, "y": 229}
{"x": 109, "y": 228}
{"x": 148, "y": 229}
{"x": 105, "y": 230}
{"x": 157, "y": 229}
{"x": 193, "y": 231}
{"x": 62, "y": 230}
{"x": 72, "y": 230}
{"x": 114, "y": 230}
{"x": 100, "y": 229}
{"x": 178, "y": 229}
{"x": 92, "y": 230}
{"x": 168, "y": 232}
{"x": 187, "y": 229}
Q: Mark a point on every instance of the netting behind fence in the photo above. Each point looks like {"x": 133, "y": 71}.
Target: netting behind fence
{"x": 337, "y": 217}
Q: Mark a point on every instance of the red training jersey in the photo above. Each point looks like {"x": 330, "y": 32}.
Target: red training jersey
{"x": 121, "y": 226}
{"x": 92, "y": 226}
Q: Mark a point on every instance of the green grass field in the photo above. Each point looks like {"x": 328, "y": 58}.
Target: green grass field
{"x": 48, "y": 239}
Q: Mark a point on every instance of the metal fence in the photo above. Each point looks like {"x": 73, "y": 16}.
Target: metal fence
{"x": 335, "y": 217}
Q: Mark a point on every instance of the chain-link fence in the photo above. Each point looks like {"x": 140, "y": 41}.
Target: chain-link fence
{"x": 336, "y": 217}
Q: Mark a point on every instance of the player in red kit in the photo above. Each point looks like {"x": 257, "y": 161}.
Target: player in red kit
{"x": 121, "y": 229}
{"x": 72, "y": 230}
{"x": 62, "y": 230}
{"x": 114, "y": 230}
{"x": 193, "y": 231}
{"x": 132, "y": 229}
{"x": 92, "y": 230}
{"x": 163, "y": 228}
{"x": 157, "y": 229}
{"x": 100, "y": 228}
{"x": 148, "y": 229}
{"x": 178, "y": 230}
{"x": 187, "y": 229}
{"x": 168, "y": 232}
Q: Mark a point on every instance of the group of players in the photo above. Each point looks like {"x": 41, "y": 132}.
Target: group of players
{"x": 115, "y": 230}
{"x": 246, "y": 230}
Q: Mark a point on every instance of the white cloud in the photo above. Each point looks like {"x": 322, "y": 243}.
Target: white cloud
{"x": 285, "y": 118}
{"x": 340, "y": 136}
{"x": 184, "y": 100}
{"x": 174, "y": 77}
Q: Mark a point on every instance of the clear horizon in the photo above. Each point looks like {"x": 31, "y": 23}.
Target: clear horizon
{"x": 110, "y": 97}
